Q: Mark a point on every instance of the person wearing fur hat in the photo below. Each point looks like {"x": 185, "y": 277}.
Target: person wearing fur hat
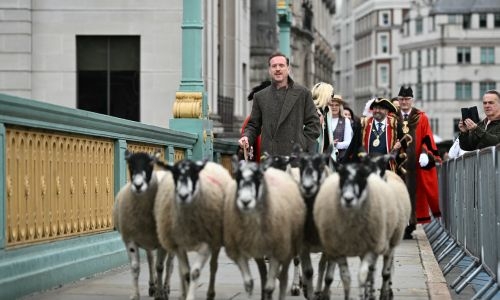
{"x": 381, "y": 132}
{"x": 422, "y": 154}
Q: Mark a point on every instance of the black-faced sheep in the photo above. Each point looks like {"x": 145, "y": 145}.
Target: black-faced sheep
{"x": 189, "y": 215}
{"x": 133, "y": 216}
{"x": 313, "y": 171}
{"x": 357, "y": 215}
{"x": 264, "y": 219}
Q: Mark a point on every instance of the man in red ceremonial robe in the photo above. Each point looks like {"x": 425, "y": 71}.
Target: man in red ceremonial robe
{"x": 422, "y": 154}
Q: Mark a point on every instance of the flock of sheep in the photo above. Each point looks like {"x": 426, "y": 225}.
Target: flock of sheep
{"x": 268, "y": 211}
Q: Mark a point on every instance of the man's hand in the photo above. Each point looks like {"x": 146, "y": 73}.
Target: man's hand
{"x": 461, "y": 126}
{"x": 423, "y": 160}
{"x": 470, "y": 124}
{"x": 397, "y": 145}
{"x": 243, "y": 141}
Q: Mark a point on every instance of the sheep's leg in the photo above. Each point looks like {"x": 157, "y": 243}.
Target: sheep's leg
{"x": 283, "y": 277}
{"x": 213, "y": 270}
{"x": 261, "y": 265}
{"x": 330, "y": 269}
{"x": 295, "y": 289}
{"x": 387, "y": 272}
{"x": 322, "y": 267}
{"x": 159, "y": 292}
{"x": 135, "y": 267}
{"x": 202, "y": 256}
{"x": 168, "y": 273}
{"x": 183, "y": 271}
{"x": 242, "y": 263}
{"x": 307, "y": 269}
{"x": 152, "y": 276}
{"x": 274, "y": 267}
{"x": 345, "y": 276}
{"x": 367, "y": 266}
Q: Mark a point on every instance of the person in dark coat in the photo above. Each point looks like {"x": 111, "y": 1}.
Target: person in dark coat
{"x": 283, "y": 113}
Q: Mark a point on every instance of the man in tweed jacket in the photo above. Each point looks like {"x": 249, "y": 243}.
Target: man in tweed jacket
{"x": 283, "y": 113}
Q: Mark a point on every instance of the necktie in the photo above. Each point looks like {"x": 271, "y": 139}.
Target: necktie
{"x": 379, "y": 129}
{"x": 405, "y": 117}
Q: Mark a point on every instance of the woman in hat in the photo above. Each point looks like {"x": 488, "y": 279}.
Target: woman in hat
{"x": 338, "y": 129}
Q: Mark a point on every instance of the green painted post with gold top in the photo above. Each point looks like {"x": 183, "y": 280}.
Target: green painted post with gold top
{"x": 284, "y": 19}
{"x": 191, "y": 103}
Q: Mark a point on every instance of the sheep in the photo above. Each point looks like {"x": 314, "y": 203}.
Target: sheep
{"x": 189, "y": 213}
{"x": 133, "y": 215}
{"x": 264, "y": 218}
{"x": 358, "y": 214}
{"x": 313, "y": 171}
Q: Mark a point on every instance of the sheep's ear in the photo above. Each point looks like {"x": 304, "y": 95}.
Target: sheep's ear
{"x": 234, "y": 164}
{"x": 164, "y": 166}
{"x": 128, "y": 154}
{"x": 200, "y": 164}
{"x": 266, "y": 162}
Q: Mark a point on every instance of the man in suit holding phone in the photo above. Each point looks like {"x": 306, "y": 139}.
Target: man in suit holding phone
{"x": 480, "y": 134}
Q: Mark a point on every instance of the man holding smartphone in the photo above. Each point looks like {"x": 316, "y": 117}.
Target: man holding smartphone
{"x": 485, "y": 133}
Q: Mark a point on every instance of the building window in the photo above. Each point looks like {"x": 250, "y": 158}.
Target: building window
{"x": 432, "y": 24}
{"x": 385, "y": 18}
{"x": 463, "y": 55}
{"x": 428, "y": 56}
{"x": 108, "y": 75}
{"x": 466, "y": 21}
{"x": 452, "y": 19}
{"x": 383, "y": 43}
{"x": 403, "y": 56}
{"x": 483, "y": 21}
{"x": 418, "y": 92}
{"x": 428, "y": 88}
{"x": 435, "y": 125}
{"x": 486, "y": 86}
{"x": 419, "y": 58}
{"x": 383, "y": 75}
{"x": 435, "y": 90}
{"x": 497, "y": 20}
{"x": 487, "y": 55}
{"x": 418, "y": 26}
{"x": 409, "y": 59}
{"x": 435, "y": 56}
{"x": 463, "y": 90}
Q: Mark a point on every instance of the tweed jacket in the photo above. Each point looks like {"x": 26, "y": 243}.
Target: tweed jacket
{"x": 297, "y": 122}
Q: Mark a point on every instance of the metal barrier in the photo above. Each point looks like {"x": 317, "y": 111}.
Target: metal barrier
{"x": 469, "y": 194}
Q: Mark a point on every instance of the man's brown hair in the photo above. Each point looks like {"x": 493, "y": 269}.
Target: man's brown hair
{"x": 275, "y": 54}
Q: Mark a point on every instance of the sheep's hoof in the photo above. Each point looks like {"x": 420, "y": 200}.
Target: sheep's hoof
{"x": 160, "y": 295}
{"x": 295, "y": 290}
{"x": 151, "y": 290}
{"x": 268, "y": 295}
{"x": 386, "y": 295}
{"x": 135, "y": 297}
{"x": 210, "y": 295}
{"x": 249, "y": 287}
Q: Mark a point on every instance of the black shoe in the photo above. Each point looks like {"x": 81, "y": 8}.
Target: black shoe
{"x": 408, "y": 231}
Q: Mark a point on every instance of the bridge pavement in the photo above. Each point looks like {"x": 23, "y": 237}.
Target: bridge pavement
{"x": 417, "y": 276}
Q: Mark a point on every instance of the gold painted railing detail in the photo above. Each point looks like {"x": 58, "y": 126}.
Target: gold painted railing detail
{"x": 179, "y": 154}
{"x": 188, "y": 105}
{"x": 57, "y": 185}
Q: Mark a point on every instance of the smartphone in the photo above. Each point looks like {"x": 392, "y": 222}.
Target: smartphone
{"x": 470, "y": 113}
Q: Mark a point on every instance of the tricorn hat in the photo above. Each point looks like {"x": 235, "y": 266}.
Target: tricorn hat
{"x": 382, "y": 102}
{"x": 405, "y": 92}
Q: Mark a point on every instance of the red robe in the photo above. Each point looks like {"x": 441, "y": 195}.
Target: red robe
{"x": 422, "y": 182}
{"x": 256, "y": 144}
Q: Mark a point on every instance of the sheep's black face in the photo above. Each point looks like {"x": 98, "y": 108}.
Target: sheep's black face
{"x": 249, "y": 185}
{"x": 311, "y": 174}
{"x": 140, "y": 167}
{"x": 353, "y": 184}
{"x": 186, "y": 177}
